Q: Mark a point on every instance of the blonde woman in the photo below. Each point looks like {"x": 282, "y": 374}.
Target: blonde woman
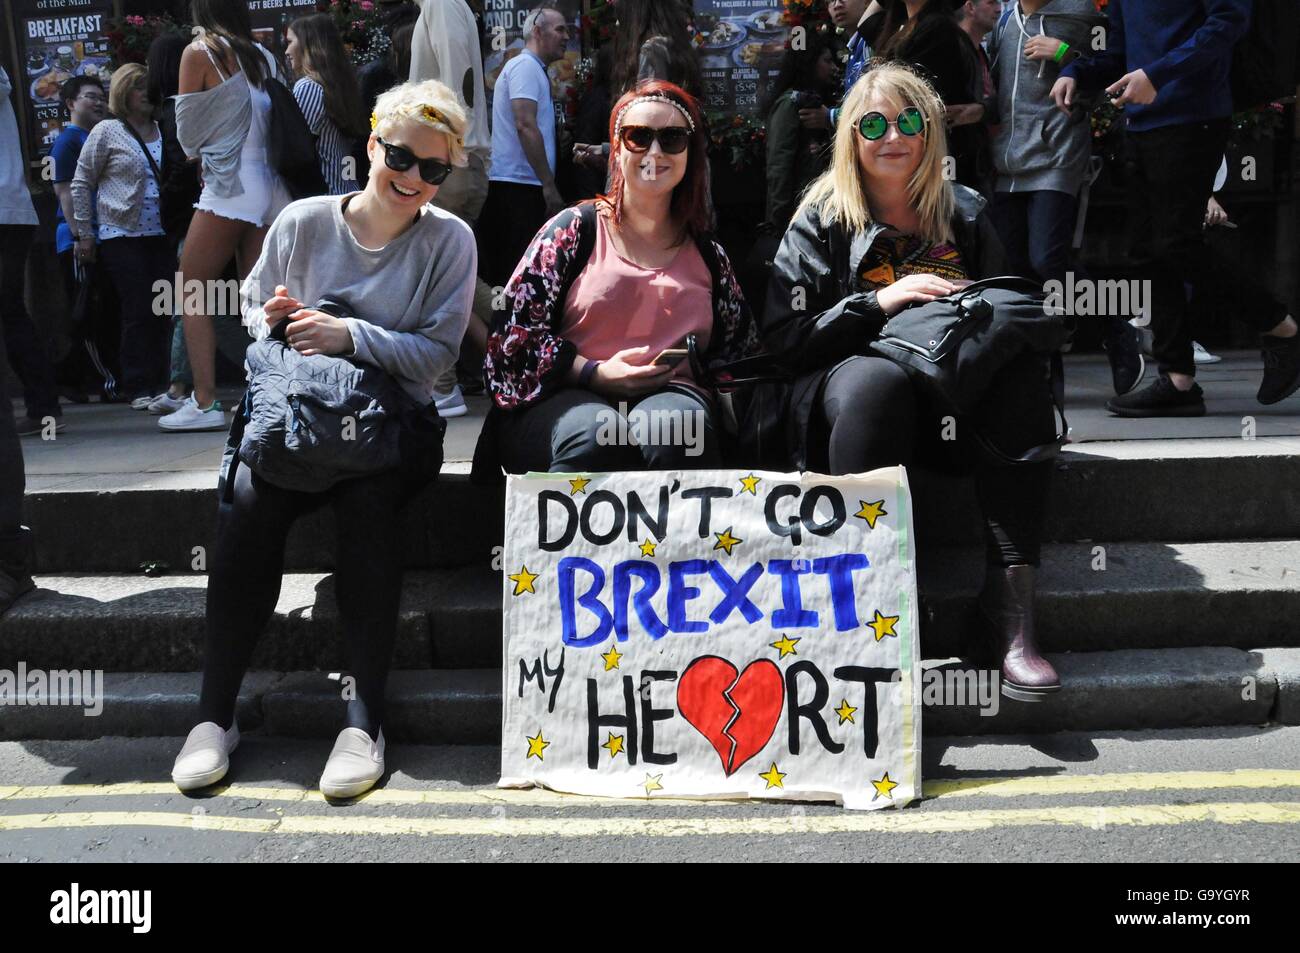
{"x": 880, "y": 230}
{"x": 116, "y": 184}
{"x": 404, "y": 270}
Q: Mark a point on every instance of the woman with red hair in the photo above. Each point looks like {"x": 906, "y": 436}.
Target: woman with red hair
{"x": 603, "y": 291}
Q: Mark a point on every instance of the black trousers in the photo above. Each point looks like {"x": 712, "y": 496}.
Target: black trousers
{"x": 13, "y": 477}
{"x": 27, "y": 352}
{"x": 877, "y": 416}
{"x": 578, "y": 431}
{"x": 133, "y": 265}
{"x": 511, "y": 217}
{"x": 247, "y": 565}
{"x": 1171, "y": 175}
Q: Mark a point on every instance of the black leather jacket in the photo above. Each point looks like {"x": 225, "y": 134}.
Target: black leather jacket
{"x": 818, "y": 313}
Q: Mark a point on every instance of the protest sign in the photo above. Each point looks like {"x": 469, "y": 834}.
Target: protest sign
{"x": 712, "y": 633}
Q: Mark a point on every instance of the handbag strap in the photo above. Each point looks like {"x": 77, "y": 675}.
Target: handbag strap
{"x": 157, "y": 176}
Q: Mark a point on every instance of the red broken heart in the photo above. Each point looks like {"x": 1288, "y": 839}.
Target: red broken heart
{"x": 737, "y": 713}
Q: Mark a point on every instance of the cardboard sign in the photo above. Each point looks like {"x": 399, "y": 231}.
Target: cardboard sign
{"x": 712, "y": 633}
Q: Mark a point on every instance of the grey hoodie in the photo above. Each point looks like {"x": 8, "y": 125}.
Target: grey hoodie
{"x": 1037, "y": 147}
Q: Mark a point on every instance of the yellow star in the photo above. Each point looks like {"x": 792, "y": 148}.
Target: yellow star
{"x": 884, "y": 625}
{"x": 871, "y": 512}
{"x": 536, "y": 746}
{"x": 614, "y": 745}
{"x": 648, "y": 547}
{"x": 786, "y": 645}
{"x": 651, "y": 783}
{"x": 884, "y": 786}
{"x": 611, "y": 658}
{"x": 846, "y": 711}
{"x": 750, "y": 484}
{"x": 773, "y": 777}
{"x": 726, "y": 540}
{"x": 578, "y": 485}
{"x": 523, "y": 581}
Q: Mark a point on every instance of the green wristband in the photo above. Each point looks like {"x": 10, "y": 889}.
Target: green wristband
{"x": 1061, "y": 51}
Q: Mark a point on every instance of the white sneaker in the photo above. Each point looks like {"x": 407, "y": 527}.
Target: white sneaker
{"x": 1201, "y": 356}
{"x": 142, "y": 403}
{"x": 451, "y": 404}
{"x": 205, "y": 759}
{"x": 189, "y": 418}
{"x": 165, "y": 403}
{"x": 355, "y": 764}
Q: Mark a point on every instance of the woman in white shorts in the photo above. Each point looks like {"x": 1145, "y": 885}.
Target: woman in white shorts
{"x": 222, "y": 115}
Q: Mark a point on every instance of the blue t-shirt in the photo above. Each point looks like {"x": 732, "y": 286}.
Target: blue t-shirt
{"x": 524, "y": 77}
{"x": 66, "y": 152}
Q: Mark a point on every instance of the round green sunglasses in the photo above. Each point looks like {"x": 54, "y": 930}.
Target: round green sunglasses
{"x": 874, "y": 125}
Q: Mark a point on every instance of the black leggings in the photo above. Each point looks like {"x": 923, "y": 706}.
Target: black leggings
{"x": 246, "y": 570}
{"x": 877, "y": 417}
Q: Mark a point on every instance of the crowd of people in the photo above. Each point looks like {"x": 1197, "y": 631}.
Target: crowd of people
{"x": 954, "y": 148}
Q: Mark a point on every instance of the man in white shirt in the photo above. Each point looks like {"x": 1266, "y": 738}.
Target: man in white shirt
{"x": 445, "y": 47}
{"x": 522, "y": 193}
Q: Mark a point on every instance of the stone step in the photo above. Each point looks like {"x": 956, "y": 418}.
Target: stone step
{"x": 1118, "y": 491}
{"x": 1148, "y": 596}
{"x": 1122, "y": 690}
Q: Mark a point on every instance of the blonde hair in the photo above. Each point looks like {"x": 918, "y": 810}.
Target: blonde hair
{"x": 839, "y": 194}
{"x": 428, "y": 103}
{"x": 124, "y": 81}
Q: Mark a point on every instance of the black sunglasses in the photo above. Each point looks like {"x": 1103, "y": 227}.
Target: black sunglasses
{"x": 399, "y": 159}
{"x": 672, "y": 139}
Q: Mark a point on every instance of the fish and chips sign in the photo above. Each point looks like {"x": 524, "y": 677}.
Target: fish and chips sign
{"x": 712, "y": 633}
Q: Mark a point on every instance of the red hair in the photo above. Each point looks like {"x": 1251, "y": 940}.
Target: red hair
{"x": 691, "y": 205}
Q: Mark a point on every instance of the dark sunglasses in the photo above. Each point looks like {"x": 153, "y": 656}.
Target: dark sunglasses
{"x": 873, "y": 126}
{"x": 399, "y": 159}
{"x": 672, "y": 139}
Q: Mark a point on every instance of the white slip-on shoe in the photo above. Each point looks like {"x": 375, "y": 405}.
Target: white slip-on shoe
{"x": 354, "y": 766}
{"x": 205, "y": 759}
{"x": 165, "y": 403}
{"x": 190, "y": 418}
{"x": 451, "y": 404}
{"x": 142, "y": 403}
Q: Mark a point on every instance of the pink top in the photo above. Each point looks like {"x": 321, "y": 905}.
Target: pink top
{"x": 615, "y": 304}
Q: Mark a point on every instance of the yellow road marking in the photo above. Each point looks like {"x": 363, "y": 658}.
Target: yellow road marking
{"x": 966, "y": 787}
{"x": 892, "y": 822}
{"x": 1110, "y": 783}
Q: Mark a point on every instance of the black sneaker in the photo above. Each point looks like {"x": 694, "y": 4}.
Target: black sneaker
{"x": 1124, "y": 350}
{"x": 1281, "y": 368}
{"x": 1159, "y": 399}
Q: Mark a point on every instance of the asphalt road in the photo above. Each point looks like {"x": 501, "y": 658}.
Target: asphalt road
{"x": 1228, "y": 794}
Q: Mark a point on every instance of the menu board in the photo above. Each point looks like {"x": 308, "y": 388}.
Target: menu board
{"x": 58, "y": 39}
{"x": 503, "y": 22}
{"x": 740, "y": 44}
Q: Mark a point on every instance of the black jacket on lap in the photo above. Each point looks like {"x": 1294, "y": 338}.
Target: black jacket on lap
{"x": 819, "y": 313}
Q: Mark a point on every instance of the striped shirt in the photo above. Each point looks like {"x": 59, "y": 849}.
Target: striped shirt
{"x": 331, "y": 145}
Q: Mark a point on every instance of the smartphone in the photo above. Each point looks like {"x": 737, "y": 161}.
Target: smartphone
{"x": 671, "y": 357}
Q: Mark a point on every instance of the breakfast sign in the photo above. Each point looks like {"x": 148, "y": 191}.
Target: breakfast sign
{"x": 712, "y": 633}
{"x": 740, "y": 44}
{"x": 58, "y": 39}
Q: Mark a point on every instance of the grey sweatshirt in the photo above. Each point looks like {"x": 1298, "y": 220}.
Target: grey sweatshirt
{"x": 411, "y": 298}
{"x": 1036, "y": 147}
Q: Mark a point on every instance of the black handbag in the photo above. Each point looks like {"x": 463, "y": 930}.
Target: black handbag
{"x": 956, "y": 345}
{"x": 308, "y": 423}
{"x": 290, "y": 146}
{"x": 752, "y": 396}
